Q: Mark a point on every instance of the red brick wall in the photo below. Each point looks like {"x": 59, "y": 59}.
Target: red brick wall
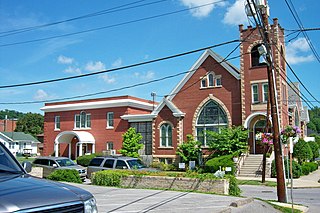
{"x": 98, "y": 127}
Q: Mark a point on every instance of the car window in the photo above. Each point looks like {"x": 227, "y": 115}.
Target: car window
{"x": 65, "y": 162}
{"x": 135, "y": 164}
{"x": 121, "y": 164}
{"x": 108, "y": 163}
{"x": 96, "y": 162}
{"x": 37, "y": 161}
{"x": 51, "y": 162}
{"x": 7, "y": 164}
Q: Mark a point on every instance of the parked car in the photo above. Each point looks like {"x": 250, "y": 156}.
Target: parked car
{"x": 113, "y": 162}
{"x": 20, "y": 192}
{"x": 49, "y": 164}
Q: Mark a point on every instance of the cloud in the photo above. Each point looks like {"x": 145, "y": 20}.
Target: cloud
{"x": 41, "y": 95}
{"x": 107, "y": 78}
{"x": 65, "y": 60}
{"x": 149, "y": 75}
{"x": 298, "y": 52}
{"x": 117, "y": 63}
{"x": 95, "y": 66}
{"x": 235, "y": 14}
{"x": 74, "y": 70}
{"x": 203, "y": 10}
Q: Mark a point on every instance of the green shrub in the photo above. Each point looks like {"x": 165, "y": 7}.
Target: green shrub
{"x": 302, "y": 151}
{"x": 84, "y": 160}
{"x": 313, "y": 166}
{"x": 107, "y": 178}
{"x": 305, "y": 170}
{"x": 163, "y": 167}
{"x": 315, "y": 149}
{"x": 67, "y": 175}
{"x": 214, "y": 164}
{"x": 234, "y": 189}
{"x": 296, "y": 169}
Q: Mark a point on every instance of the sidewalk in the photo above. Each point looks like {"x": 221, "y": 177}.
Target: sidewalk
{"x": 308, "y": 181}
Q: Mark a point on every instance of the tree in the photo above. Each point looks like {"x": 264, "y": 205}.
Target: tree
{"x": 131, "y": 143}
{"x": 11, "y": 114}
{"x": 30, "y": 123}
{"x": 228, "y": 140}
{"x": 302, "y": 151}
{"x": 315, "y": 149}
{"x": 189, "y": 150}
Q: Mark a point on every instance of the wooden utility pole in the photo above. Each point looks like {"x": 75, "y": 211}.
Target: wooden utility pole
{"x": 281, "y": 188}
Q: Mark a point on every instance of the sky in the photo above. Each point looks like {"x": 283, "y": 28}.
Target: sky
{"x": 46, "y": 40}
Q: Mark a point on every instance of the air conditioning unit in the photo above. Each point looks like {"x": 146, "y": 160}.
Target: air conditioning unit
{"x": 113, "y": 152}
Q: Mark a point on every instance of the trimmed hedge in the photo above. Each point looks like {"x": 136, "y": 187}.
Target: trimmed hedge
{"x": 309, "y": 167}
{"x": 214, "y": 164}
{"x": 66, "y": 175}
{"x": 296, "y": 169}
{"x": 107, "y": 178}
{"x": 84, "y": 160}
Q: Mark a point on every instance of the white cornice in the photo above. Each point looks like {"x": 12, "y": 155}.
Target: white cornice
{"x": 138, "y": 118}
{"x": 98, "y": 105}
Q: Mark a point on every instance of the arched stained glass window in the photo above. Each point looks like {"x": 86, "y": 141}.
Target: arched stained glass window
{"x": 211, "y": 118}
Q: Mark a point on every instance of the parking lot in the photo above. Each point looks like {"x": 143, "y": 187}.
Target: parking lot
{"x": 110, "y": 199}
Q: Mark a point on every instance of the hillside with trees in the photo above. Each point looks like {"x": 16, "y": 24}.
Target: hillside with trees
{"x": 314, "y": 123}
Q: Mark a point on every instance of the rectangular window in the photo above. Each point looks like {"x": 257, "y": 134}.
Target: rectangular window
{"x": 203, "y": 83}
{"x": 77, "y": 121}
{"x": 109, "y": 145}
{"x": 265, "y": 92}
{"x": 82, "y": 120}
{"x": 57, "y": 122}
{"x": 110, "y": 119}
{"x": 218, "y": 82}
{"x": 255, "y": 93}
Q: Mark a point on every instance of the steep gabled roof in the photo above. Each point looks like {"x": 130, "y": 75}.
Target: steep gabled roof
{"x": 229, "y": 67}
{"x": 165, "y": 102}
{"x": 19, "y": 136}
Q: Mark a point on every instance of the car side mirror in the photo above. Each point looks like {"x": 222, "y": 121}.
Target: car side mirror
{"x": 55, "y": 165}
{"x": 27, "y": 166}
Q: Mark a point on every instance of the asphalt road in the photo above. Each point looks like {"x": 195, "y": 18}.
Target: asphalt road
{"x": 110, "y": 199}
{"x": 306, "y": 196}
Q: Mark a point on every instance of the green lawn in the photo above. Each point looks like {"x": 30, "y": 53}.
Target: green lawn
{"x": 21, "y": 159}
{"x": 257, "y": 182}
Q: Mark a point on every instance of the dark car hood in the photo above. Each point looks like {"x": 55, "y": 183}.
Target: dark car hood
{"x": 19, "y": 192}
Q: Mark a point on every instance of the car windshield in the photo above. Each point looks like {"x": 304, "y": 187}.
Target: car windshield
{"x": 65, "y": 162}
{"x": 135, "y": 164}
{"x": 7, "y": 163}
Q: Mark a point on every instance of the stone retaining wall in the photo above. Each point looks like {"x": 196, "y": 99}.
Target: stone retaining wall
{"x": 214, "y": 186}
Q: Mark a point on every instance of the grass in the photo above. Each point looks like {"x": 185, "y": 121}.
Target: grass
{"x": 257, "y": 183}
{"x": 21, "y": 159}
{"x": 284, "y": 209}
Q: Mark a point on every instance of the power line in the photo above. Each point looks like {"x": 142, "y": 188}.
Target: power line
{"x": 109, "y": 26}
{"x": 118, "y": 68}
{"x": 298, "y": 21}
{"x": 102, "y": 12}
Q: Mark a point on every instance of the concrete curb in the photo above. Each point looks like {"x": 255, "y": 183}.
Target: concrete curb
{"x": 288, "y": 205}
{"x": 241, "y": 202}
{"x": 226, "y": 210}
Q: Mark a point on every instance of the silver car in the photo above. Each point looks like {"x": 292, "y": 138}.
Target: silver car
{"x": 113, "y": 162}
{"x": 49, "y": 164}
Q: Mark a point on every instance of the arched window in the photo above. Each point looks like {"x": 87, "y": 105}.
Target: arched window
{"x": 296, "y": 118}
{"x": 256, "y": 59}
{"x": 210, "y": 80}
{"x": 166, "y": 135}
{"x": 82, "y": 120}
{"x": 211, "y": 118}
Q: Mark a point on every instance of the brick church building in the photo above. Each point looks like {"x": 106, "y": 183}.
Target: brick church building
{"x": 214, "y": 95}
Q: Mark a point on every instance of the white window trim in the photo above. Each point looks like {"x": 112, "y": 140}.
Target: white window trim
{"x": 85, "y": 122}
{"x": 263, "y": 93}
{"x": 207, "y": 81}
{"x": 252, "y": 93}
{"x": 108, "y": 125}
{"x": 55, "y": 122}
{"x": 167, "y": 136}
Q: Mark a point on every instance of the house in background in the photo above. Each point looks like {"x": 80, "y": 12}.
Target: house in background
{"x": 19, "y": 143}
{"x": 8, "y": 125}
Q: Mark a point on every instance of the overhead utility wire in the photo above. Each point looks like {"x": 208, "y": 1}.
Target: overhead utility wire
{"x": 104, "y": 92}
{"x": 102, "y": 12}
{"x": 118, "y": 68}
{"x": 298, "y": 21}
{"x": 109, "y": 26}
{"x": 265, "y": 41}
